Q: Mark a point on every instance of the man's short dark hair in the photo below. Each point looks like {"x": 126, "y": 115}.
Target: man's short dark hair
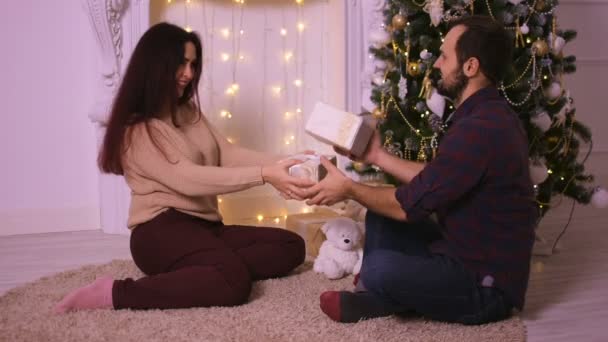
{"x": 486, "y": 40}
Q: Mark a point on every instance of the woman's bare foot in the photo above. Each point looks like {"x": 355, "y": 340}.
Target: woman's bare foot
{"x": 97, "y": 295}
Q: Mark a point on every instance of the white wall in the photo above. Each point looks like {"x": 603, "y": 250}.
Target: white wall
{"x": 48, "y": 178}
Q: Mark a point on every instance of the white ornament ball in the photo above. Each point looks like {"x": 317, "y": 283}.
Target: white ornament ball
{"x": 554, "y": 91}
{"x": 542, "y": 121}
{"x": 524, "y": 29}
{"x": 379, "y": 38}
{"x": 378, "y": 79}
{"x": 599, "y": 199}
{"x": 515, "y": 2}
{"x": 379, "y": 64}
{"x": 424, "y": 54}
{"x": 538, "y": 172}
{"x": 436, "y": 103}
{"x": 557, "y": 44}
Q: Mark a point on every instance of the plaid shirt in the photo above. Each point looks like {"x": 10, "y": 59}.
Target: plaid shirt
{"x": 479, "y": 186}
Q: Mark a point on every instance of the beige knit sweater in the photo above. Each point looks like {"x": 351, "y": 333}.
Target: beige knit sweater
{"x": 194, "y": 164}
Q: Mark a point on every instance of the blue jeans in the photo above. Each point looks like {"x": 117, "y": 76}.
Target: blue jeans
{"x": 401, "y": 272}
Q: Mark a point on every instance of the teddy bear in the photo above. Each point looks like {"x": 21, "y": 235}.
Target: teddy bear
{"x": 341, "y": 254}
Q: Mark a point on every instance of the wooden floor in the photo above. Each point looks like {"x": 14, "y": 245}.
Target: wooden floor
{"x": 567, "y": 297}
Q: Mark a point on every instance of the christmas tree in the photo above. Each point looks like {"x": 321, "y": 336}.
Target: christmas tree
{"x": 412, "y": 114}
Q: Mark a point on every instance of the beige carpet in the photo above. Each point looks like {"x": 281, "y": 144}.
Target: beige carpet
{"x": 279, "y": 310}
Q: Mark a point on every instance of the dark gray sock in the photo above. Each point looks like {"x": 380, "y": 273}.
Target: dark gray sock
{"x": 359, "y": 306}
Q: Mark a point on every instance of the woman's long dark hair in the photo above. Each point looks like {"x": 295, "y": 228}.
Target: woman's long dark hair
{"x": 149, "y": 86}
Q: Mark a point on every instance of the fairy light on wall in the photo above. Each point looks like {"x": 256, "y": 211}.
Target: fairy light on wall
{"x": 284, "y": 34}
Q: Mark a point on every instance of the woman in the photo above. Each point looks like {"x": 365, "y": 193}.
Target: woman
{"x": 176, "y": 164}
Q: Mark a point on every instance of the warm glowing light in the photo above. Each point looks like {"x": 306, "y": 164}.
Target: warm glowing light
{"x": 230, "y": 91}
{"x": 287, "y": 115}
{"x": 297, "y": 83}
{"x": 283, "y": 32}
{"x": 298, "y": 110}
{"x": 549, "y": 171}
{"x": 234, "y": 86}
{"x": 226, "y": 114}
{"x": 219, "y": 200}
{"x": 277, "y": 220}
{"x": 528, "y": 40}
{"x": 188, "y": 29}
{"x": 241, "y": 57}
{"x": 292, "y": 138}
{"x": 299, "y": 2}
{"x": 260, "y": 218}
{"x": 230, "y": 140}
{"x": 277, "y": 90}
{"x": 288, "y": 56}
{"x": 287, "y": 141}
{"x": 225, "y": 32}
{"x": 225, "y": 57}
{"x": 301, "y": 27}
{"x": 305, "y": 210}
{"x": 242, "y": 32}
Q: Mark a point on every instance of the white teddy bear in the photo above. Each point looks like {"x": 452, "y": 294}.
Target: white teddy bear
{"x": 341, "y": 254}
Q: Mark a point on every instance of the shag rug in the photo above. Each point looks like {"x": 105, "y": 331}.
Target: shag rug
{"x": 284, "y": 309}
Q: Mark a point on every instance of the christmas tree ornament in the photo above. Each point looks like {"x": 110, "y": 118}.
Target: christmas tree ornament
{"x": 436, "y": 103}
{"x": 425, "y": 55}
{"x": 538, "y": 172}
{"x": 413, "y": 69}
{"x": 540, "y": 47}
{"x": 402, "y": 88}
{"x": 378, "y": 114}
{"x": 379, "y": 38}
{"x": 557, "y": 43}
{"x": 540, "y": 5}
{"x": 524, "y": 29}
{"x": 541, "y": 120}
{"x": 378, "y": 79}
{"x": 599, "y": 198}
{"x": 380, "y": 64}
{"x": 435, "y": 10}
{"x": 360, "y": 167}
{"x": 399, "y": 21}
{"x": 554, "y": 91}
{"x": 515, "y": 2}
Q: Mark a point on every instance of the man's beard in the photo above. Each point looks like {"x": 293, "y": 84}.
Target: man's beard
{"x": 453, "y": 91}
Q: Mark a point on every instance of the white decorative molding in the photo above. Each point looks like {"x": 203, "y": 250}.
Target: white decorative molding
{"x": 361, "y": 19}
{"x": 105, "y": 16}
{"x": 117, "y": 26}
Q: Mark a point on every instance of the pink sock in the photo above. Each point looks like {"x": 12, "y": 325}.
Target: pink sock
{"x": 97, "y": 295}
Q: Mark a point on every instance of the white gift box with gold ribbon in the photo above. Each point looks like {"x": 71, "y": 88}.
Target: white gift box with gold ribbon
{"x": 339, "y": 128}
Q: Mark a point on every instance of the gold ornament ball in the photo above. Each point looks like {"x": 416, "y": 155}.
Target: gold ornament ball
{"x": 359, "y": 166}
{"x": 540, "y": 47}
{"x": 413, "y": 69}
{"x": 378, "y": 114}
{"x": 540, "y": 5}
{"x": 399, "y": 22}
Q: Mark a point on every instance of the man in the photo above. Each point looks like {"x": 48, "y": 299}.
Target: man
{"x": 472, "y": 266}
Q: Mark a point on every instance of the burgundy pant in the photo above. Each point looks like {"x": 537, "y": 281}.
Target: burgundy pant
{"x": 191, "y": 262}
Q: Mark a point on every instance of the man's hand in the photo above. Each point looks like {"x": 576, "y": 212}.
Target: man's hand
{"x": 372, "y": 152}
{"x": 335, "y": 187}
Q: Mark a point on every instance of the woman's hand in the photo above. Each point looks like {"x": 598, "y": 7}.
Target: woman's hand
{"x": 278, "y": 176}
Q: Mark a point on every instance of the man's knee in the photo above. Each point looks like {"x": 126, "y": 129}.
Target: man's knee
{"x": 378, "y": 269}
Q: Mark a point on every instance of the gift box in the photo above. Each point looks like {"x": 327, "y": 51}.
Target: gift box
{"x": 339, "y": 128}
{"x": 308, "y": 226}
{"x": 311, "y": 168}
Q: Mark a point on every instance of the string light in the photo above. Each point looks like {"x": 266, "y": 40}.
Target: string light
{"x": 277, "y": 90}
{"x": 287, "y": 115}
{"x": 299, "y": 2}
{"x": 260, "y": 217}
{"x": 225, "y": 57}
{"x": 297, "y": 83}
{"x": 225, "y": 32}
{"x": 301, "y": 26}
{"x": 288, "y": 56}
{"x": 188, "y": 29}
{"x": 226, "y": 114}
{"x": 283, "y": 32}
